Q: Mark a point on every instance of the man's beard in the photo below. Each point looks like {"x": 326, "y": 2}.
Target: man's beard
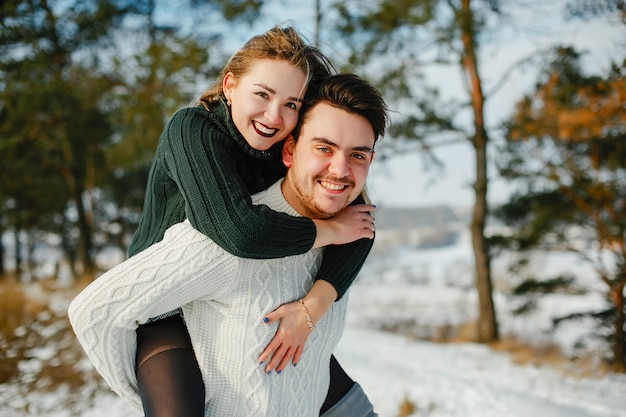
{"x": 309, "y": 205}
{"x": 312, "y": 209}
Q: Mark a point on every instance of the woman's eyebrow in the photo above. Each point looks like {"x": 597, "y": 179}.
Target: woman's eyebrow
{"x": 271, "y": 90}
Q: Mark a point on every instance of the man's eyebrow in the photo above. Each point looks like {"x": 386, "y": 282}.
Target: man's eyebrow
{"x": 363, "y": 149}
{"x": 356, "y": 148}
{"x": 271, "y": 90}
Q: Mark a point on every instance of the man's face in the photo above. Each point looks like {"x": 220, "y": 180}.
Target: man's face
{"x": 328, "y": 166}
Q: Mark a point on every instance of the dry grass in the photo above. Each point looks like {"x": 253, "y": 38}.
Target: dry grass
{"x": 17, "y": 314}
{"x": 462, "y": 333}
{"x": 407, "y": 408}
{"x": 29, "y": 329}
{"x": 522, "y": 353}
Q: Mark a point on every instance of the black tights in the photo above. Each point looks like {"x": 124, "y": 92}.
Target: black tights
{"x": 169, "y": 379}
{"x": 340, "y": 384}
{"x": 168, "y": 375}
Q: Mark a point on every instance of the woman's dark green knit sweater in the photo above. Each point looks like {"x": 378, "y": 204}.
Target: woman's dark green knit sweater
{"x": 205, "y": 171}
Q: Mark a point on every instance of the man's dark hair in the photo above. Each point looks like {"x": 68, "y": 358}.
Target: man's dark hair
{"x": 353, "y": 94}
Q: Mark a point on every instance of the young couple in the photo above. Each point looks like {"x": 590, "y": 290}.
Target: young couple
{"x": 236, "y": 258}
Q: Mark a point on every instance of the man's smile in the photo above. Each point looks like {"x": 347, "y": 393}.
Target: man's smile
{"x": 333, "y": 186}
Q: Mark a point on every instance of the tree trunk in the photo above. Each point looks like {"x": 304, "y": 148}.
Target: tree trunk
{"x": 2, "y": 271}
{"x": 487, "y": 329}
{"x": 619, "y": 352}
{"x": 68, "y": 249}
{"x": 318, "y": 20}
{"x": 18, "y": 251}
{"x": 85, "y": 244}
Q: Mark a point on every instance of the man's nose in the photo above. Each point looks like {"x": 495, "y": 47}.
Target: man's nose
{"x": 339, "y": 166}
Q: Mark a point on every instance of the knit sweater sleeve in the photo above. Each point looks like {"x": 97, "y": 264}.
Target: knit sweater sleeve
{"x": 202, "y": 160}
{"x": 342, "y": 263}
{"x": 106, "y": 313}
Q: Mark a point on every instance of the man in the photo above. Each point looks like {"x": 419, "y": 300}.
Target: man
{"x": 224, "y": 297}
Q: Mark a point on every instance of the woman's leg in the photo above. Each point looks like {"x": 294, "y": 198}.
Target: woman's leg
{"x": 168, "y": 375}
{"x": 340, "y": 385}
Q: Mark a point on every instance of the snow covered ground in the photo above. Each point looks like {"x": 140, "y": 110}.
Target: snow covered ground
{"x": 413, "y": 291}
{"x": 470, "y": 380}
{"x": 439, "y": 379}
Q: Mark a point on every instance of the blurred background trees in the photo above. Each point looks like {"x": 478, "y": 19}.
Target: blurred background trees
{"x": 86, "y": 87}
{"x": 566, "y": 152}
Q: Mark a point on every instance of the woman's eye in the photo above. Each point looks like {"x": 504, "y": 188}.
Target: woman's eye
{"x": 292, "y": 106}
{"x": 262, "y": 94}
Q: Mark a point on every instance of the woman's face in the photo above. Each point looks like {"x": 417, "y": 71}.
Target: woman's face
{"x": 265, "y": 102}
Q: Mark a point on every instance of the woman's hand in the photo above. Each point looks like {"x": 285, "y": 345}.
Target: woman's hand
{"x": 350, "y": 224}
{"x": 294, "y": 329}
{"x": 288, "y": 343}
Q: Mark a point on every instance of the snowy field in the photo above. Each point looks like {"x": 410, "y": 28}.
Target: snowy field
{"x": 414, "y": 291}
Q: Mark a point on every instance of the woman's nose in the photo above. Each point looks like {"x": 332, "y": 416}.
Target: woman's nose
{"x": 273, "y": 114}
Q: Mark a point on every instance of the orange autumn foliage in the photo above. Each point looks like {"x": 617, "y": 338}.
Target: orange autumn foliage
{"x": 591, "y": 111}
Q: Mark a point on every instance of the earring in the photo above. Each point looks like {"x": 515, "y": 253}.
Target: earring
{"x": 228, "y": 103}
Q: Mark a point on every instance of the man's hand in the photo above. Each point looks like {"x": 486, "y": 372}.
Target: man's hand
{"x": 288, "y": 343}
{"x": 350, "y": 224}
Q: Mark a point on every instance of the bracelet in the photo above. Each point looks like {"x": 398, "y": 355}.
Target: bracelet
{"x": 307, "y": 315}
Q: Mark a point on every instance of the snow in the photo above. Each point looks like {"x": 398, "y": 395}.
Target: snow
{"x": 414, "y": 292}
{"x": 469, "y": 380}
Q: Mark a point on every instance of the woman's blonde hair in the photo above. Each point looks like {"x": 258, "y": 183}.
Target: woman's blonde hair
{"x": 280, "y": 43}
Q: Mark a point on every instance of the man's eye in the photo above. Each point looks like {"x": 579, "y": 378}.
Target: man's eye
{"x": 323, "y": 149}
{"x": 358, "y": 156}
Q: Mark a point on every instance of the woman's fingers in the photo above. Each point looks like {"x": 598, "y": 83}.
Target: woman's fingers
{"x": 278, "y": 358}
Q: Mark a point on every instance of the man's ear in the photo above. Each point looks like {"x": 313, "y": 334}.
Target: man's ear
{"x": 288, "y": 148}
{"x": 372, "y": 157}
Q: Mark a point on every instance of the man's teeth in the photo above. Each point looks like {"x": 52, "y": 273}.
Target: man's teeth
{"x": 334, "y": 187}
{"x": 263, "y": 129}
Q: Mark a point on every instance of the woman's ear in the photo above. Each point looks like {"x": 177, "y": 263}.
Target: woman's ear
{"x": 228, "y": 83}
{"x": 288, "y": 149}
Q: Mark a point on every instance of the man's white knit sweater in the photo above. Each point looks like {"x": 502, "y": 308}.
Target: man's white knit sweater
{"x": 224, "y": 300}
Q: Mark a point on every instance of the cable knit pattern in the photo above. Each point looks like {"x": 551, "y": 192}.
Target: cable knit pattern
{"x": 224, "y": 299}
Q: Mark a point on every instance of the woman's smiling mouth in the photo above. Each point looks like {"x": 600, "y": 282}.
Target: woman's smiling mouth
{"x": 263, "y": 130}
